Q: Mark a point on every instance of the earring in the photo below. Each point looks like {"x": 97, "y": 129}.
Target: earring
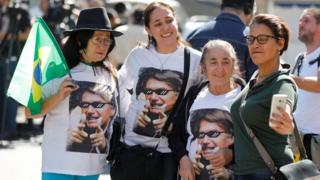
{"x": 150, "y": 39}
{"x": 82, "y": 51}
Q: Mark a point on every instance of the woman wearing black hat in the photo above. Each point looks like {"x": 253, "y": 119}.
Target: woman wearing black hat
{"x": 76, "y": 142}
{"x": 155, "y": 73}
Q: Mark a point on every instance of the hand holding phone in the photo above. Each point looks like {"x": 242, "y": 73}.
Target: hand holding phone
{"x": 278, "y": 100}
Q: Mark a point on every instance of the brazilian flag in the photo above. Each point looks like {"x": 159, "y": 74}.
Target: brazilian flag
{"x": 41, "y": 60}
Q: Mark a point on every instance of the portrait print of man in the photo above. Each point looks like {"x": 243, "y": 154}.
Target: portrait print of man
{"x": 160, "y": 90}
{"x": 98, "y": 108}
{"x": 212, "y": 130}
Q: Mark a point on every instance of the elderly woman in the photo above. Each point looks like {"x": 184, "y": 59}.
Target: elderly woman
{"x": 86, "y": 50}
{"x": 268, "y": 38}
{"x": 200, "y": 154}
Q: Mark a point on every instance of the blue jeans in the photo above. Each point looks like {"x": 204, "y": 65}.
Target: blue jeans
{"x": 55, "y": 176}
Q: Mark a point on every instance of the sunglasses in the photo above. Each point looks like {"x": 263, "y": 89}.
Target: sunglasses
{"x": 210, "y": 134}
{"x": 160, "y": 92}
{"x": 261, "y": 39}
{"x": 101, "y": 41}
{"x": 93, "y": 104}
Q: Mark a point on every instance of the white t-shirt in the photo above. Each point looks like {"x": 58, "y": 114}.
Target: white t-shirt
{"x": 308, "y": 105}
{"x": 156, "y": 80}
{"x": 97, "y": 90}
{"x": 207, "y": 100}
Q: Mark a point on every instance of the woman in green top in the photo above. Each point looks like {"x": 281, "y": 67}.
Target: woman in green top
{"x": 268, "y": 38}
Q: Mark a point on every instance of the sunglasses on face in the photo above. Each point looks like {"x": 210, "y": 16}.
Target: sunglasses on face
{"x": 101, "y": 41}
{"x": 261, "y": 39}
{"x": 210, "y": 134}
{"x": 160, "y": 92}
{"x": 93, "y": 104}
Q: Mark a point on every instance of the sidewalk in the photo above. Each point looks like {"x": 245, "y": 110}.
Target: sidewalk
{"x": 21, "y": 159}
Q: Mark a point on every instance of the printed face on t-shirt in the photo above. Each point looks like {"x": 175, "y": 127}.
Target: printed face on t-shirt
{"x": 96, "y": 109}
{"x": 157, "y": 91}
{"x": 160, "y": 95}
{"x": 92, "y": 108}
{"x": 211, "y": 135}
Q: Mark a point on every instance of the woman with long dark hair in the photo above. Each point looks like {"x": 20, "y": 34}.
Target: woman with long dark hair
{"x": 77, "y": 127}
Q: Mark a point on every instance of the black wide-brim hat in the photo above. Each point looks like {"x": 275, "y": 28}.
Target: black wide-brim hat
{"x": 95, "y": 19}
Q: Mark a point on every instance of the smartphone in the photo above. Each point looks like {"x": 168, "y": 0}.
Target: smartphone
{"x": 152, "y": 115}
{"x": 204, "y": 174}
{"x": 89, "y": 130}
{"x": 278, "y": 100}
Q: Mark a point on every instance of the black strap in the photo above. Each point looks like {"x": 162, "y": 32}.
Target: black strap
{"x": 121, "y": 120}
{"x": 297, "y": 66}
{"x": 315, "y": 60}
{"x": 181, "y": 94}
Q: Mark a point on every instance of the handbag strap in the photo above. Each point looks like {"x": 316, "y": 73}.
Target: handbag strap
{"x": 121, "y": 120}
{"x": 261, "y": 149}
{"x": 181, "y": 94}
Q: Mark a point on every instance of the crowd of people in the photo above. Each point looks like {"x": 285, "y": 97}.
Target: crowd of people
{"x": 190, "y": 109}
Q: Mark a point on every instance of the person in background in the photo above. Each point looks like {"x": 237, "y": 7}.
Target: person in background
{"x": 133, "y": 34}
{"x": 268, "y": 38}
{"x": 214, "y": 95}
{"x": 165, "y": 53}
{"x": 229, "y": 25}
{"x": 86, "y": 51}
{"x": 114, "y": 18}
{"x": 307, "y": 77}
{"x": 14, "y": 29}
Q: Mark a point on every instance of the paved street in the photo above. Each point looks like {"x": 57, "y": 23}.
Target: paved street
{"x": 21, "y": 160}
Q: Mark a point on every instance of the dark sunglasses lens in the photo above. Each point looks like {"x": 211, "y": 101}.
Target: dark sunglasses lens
{"x": 84, "y": 105}
{"x": 147, "y": 91}
{"x": 210, "y": 134}
{"x": 97, "y": 105}
{"x": 161, "y": 91}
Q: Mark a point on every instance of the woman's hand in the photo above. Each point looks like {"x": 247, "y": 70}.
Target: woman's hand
{"x": 220, "y": 158}
{"x": 219, "y": 173}
{"x": 283, "y": 123}
{"x": 66, "y": 87}
{"x": 186, "y": 170}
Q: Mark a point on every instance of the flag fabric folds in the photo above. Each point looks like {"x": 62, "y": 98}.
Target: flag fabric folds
{"x": 41, "y": 60}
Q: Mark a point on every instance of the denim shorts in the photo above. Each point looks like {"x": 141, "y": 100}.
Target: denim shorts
{"x": 55, "y": 176}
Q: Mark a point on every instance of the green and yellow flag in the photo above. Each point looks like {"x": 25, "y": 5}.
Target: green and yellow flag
{"x": 41, "y": 60}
